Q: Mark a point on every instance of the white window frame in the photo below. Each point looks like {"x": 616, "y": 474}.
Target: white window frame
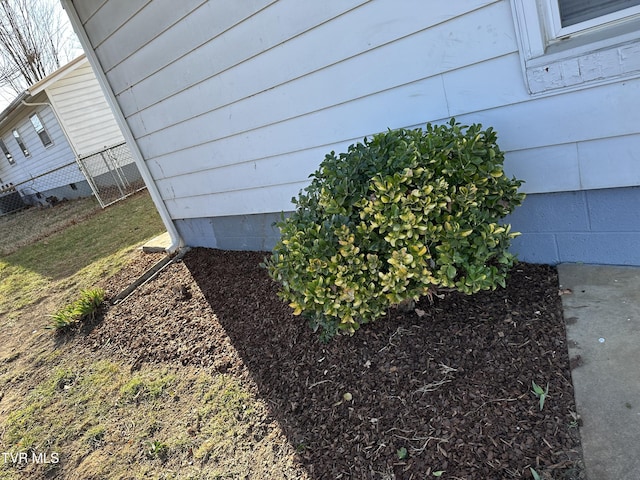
{"x": 559, "y": 32}
{"x": 35, "y": 121}
{"x": 555, "y": 59}
{"x": 20, "y": 142}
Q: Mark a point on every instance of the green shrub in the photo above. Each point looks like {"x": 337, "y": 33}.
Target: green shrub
{"x": 84, "y": 307}
{"x": 395, "y": 218}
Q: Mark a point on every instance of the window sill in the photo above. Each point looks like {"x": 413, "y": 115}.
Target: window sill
{"x": 602, "y": 56}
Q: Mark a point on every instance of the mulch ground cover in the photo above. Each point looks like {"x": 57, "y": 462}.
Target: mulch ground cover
{"x": 445, "y": 388}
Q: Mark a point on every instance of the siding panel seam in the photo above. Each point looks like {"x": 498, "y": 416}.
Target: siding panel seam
{"x": 154, "y": 37}
{"x": 292, "y": 38}
{"x": 240, "y": 62}
{"x": 95, "y": 47}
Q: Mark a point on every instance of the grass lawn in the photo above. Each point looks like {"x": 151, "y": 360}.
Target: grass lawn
{"x": 87, "y": 416}
{"x": 76, "y": 255}
{"x": 28, "y": 226}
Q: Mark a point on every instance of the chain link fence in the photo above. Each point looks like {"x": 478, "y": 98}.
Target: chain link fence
{"x": 62, "y": 183}
{"x": 110, "y": 174}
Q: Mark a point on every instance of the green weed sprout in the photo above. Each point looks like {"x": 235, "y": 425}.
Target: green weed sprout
{"x": 402, "y": 453}
{"x": 157, "y": 450}
{"x": 540, "y": 393}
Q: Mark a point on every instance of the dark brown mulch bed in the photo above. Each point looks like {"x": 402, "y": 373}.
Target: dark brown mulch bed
{"x": 451, "y": 387}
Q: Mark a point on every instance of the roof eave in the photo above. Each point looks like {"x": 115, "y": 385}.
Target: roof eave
{"x": 41, "y": 85}
{"x": 15, "y": 104}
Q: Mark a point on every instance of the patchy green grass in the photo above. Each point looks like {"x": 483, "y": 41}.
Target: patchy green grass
{"x": 120, "y": 226}
{"x": 76, "y": 257}
{"x": 103, "y": 420}
{"x": 36, "y": 223}
{"x": 100, "y": 418}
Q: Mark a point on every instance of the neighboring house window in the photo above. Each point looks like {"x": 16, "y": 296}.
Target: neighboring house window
{"x": 21, "y": 144}
{"x": 6, "y": 152}
{"x": 568, "y": 43}
{"x": 40, "y": 130}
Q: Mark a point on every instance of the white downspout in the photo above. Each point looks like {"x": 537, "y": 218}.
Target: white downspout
{"x": 176, "y": 240}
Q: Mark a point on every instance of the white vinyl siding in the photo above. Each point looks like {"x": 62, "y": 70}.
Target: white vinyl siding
{"x": 199, "y": 119}
{"x": 381, "y": 71}
{"x": 41, "y": 159}
{"x": 87, "y": 118}
{"x": 233, "y": 104}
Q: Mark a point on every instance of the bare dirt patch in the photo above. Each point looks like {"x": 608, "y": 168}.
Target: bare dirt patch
{"x": 445, "y": 388}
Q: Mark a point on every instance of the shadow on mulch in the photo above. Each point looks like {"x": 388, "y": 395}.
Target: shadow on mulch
{"x": 408, "y": 396}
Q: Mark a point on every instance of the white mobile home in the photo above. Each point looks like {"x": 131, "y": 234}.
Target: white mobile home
{"x": 33, "y": 143}
{"x": 62, "y": 118}
{"x": 231, "y": 105}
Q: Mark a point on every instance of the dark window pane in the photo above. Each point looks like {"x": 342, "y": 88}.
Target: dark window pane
{"x": 6, "y": 152}
{"x": 577, "y": 11}
{"x": 40, "y": 130}
{"x": 44, "y": 138}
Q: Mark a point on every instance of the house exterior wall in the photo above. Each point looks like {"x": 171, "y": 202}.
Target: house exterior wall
{"x": 233, "y": 104}
{"x": 26, "y": 171}
{"x": 81, "y": 106}
{"x": 589, "y": 226}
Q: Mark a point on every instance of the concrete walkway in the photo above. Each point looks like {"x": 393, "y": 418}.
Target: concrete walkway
{"x": 603, "y": 328}
{"x": 157, "y": 244}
